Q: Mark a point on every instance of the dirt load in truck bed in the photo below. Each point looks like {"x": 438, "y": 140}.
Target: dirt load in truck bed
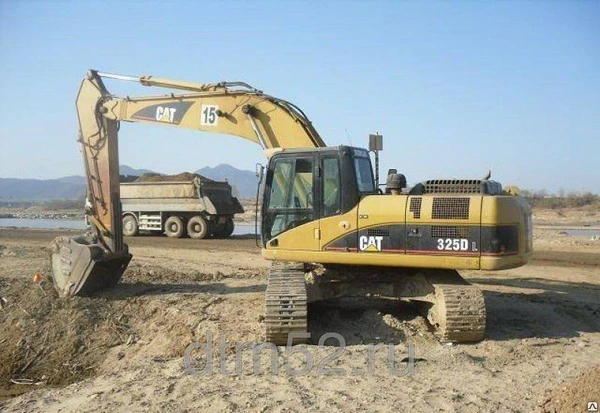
{"x": 184, "y": 176}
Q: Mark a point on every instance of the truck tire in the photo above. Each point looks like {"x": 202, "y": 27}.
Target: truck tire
{"x": 224, "y": 230}
{"x": 174, "y": 227}
{"x": 197, "y": 227}
{"x": 227, "y": 228}
{"x": 130, "y": 226}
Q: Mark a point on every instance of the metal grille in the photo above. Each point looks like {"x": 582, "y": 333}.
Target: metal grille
{"x": 415, "y": 207}
{"x": 450, "y": 208}
{"x": 446, "y": 231}
{"x": 453, "y": 186}
{"x": 462, "y": 186}
{"x": 378, "y": 232}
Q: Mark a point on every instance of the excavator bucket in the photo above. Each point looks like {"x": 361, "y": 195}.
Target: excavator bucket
{"x": 81, "y": 266}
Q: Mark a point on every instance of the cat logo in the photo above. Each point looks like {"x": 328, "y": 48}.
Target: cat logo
{"x": 173, "y": 113}
{"x": 372, "y": 244}
{"x": 165, "y": 114}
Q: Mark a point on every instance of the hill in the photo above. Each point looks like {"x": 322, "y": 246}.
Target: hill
{"x": 129, "y": 171}
{"x": 243, "y": 182}
{"x": 72, "y": 187}
{"x": 42, "y": 189}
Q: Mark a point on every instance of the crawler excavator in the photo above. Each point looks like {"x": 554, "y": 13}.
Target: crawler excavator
{"x": 332, "y": 234}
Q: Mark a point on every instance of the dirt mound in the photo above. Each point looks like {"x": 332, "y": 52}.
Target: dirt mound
{"x": 184, "y": 176}
{"x": 50, "y": 341}
{"x": 575, "y": 395}
{"x": 46, "y": 340}
{"x": 361, "y": 326}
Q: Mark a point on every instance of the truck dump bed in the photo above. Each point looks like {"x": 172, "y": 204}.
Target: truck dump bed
{"x": 213, "y": 197}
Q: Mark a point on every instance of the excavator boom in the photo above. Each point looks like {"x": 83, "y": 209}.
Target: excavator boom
{"x": 98, "y": 259}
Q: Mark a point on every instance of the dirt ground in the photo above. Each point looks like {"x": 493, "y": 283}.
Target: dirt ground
{"x": 123, "y": 349}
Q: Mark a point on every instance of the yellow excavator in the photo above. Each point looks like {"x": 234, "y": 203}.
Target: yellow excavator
{"x": 333, "y": 235}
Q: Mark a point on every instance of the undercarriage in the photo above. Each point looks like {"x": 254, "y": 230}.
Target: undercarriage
{"x": 454, "y": 308}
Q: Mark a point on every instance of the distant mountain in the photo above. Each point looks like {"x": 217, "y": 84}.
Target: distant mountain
{"x": 73, "y": 179}
{"x": 68, "y": 187}
{"x": 42, "y": 189}
{"x": 243, "y": 182}
{"x": 73, "y": 187}
{"x": 128, "y": 170}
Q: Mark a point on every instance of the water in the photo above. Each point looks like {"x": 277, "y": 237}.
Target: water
{"x": 45, "y": 223}
{"x": 588, "y": 232}
{"x": 244, "y": 229}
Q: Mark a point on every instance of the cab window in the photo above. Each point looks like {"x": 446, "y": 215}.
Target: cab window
{"x": 332, "y": 188}
{"x": 364, "y": 175}
{"x": 291, "y": 196}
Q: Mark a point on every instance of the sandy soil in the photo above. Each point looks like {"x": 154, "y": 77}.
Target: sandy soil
{"x": 123, "y": 349}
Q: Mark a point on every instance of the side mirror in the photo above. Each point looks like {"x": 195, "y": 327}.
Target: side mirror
{"x": 260, "y": 172}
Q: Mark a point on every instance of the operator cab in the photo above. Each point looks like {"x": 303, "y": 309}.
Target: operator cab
{"x": 304, "y": 185}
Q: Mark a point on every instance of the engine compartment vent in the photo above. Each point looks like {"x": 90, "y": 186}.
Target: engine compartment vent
{"x": 415, "y": 207}
{"x": 450, "y": 208}
{"x": 458, "y": 186}
{"x": 378, "y": 232}
{"x": 449, "y": 231}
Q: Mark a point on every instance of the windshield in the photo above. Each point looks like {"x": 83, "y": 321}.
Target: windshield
{"x": 364, "y": 175}
{"x": 290, "y": 202}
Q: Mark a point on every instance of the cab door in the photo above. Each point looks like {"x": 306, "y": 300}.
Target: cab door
{"x": 337, "y": 230}
{"x": 290, "y": 220}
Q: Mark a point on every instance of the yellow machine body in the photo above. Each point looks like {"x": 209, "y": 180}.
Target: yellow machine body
{"x": 382, "y": 230}
{"x": 321, "y": 205}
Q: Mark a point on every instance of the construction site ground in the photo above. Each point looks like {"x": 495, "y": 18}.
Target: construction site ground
{"x": 123, "y": 349}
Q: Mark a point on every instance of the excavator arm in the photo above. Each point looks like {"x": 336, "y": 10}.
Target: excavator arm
{"x": 84, "y": 264}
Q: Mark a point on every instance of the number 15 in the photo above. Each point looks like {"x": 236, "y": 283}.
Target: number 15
{"x": 209, "y": 115}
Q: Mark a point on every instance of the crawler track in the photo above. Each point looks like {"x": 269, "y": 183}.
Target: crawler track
{"x": 458, "y": 314}
{"x": 285, "y": 303}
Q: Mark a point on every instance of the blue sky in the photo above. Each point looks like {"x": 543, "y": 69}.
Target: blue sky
{"x": 455, "y": 88}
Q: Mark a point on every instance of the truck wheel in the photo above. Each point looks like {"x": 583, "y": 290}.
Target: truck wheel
{"x": 130, "y": 226}
{"x": 223, "y": 230}
{"x": 197, "y": 227}
{"x": 227, "y": 228}
{"x": 174, "y": 227}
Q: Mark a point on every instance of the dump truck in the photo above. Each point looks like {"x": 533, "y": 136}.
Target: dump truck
{"x": 197, "y": 207}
